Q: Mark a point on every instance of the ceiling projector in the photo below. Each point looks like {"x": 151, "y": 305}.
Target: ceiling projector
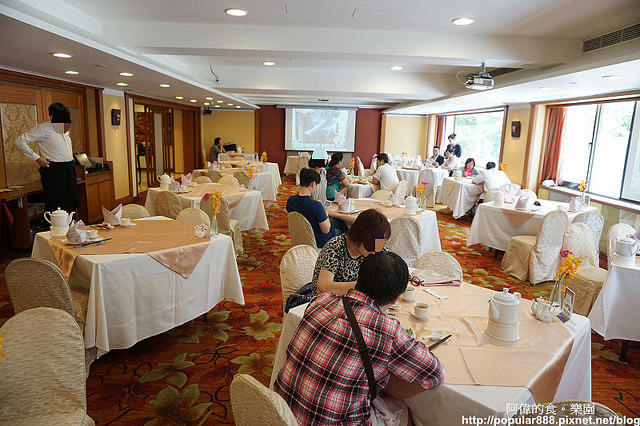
{"x": 479, "y": 81}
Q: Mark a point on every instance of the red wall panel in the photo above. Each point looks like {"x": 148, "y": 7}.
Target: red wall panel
{"x": 368, "y": 125}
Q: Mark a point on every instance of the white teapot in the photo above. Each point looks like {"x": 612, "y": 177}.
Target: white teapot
{"x": 411, "y": 204}
{"x": 164, "y": 180}
{"x": 59, "y": 218}
{"x": 504, "y": 307}
{"x": 626, "y": 247}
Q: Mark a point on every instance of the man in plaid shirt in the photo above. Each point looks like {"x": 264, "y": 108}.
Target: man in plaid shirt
{"x": 323, "y": 378}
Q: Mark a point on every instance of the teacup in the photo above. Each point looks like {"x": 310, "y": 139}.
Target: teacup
{"x": 125, "y": 221}
{"x": 183, "y": 188}
{"x": 421, "y": 310}
{"x": 92, "y": 233}
{"x": 409, "y": 294}
{"x": 388, "y": 203}
{"x": 194, "y": 184}
{"x": 201, "y": 230}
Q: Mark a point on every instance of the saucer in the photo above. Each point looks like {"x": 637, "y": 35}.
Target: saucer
{"x": 129, "y": 225}
{"x": 407, "y": 299}
{"x": 426, "y": 317}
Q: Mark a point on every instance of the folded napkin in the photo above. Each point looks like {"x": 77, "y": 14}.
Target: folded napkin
{"x": 429, "y": 278}
{"x": 112, "y": 217}
{"x": 185, "y": 179}
{"x": 636, "y": 236}
{"x": 525, "y": 202}
{"x": 397, "y": 199}
{"x": 575, "y": 205}
{"x": 174, "y": 186}
{"x": 343, "y": 202}
{"x": 77, "y": 232}
{"x": 213, "y": 166}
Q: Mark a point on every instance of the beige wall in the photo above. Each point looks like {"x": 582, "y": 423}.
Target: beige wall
{"x": 115, "y": 139}
{"x": 514, "y": 150}
{"x": 178, "y": 141}
{"x": 405, "y": 134}
{"x": 231, "y": 126}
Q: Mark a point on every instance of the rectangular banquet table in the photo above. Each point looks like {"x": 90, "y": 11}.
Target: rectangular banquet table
{"x": 426, "y": 218}
{"x": 494, "y": 226}
{"x": 464, "y": 314}
{"x": 132, "y": 296}
{"x": 459, "y": 195}
{"x": 246, "y": 207}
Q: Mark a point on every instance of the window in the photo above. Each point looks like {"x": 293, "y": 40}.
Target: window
{"x": 479, "y": 135}
{"x": 598, "y": 146}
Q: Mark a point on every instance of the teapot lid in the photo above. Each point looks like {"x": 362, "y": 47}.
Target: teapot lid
{"x": 506, "y": 297}
{"x": 410, "y": 197}
{"x": 58, "y": 212}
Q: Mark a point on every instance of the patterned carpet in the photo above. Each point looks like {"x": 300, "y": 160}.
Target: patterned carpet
{"x": 182, "y": 377}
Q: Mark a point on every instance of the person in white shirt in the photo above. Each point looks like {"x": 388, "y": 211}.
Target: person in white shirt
{"x": 451, "y": 162}
{"x": 57, "y": 170}
{"x": 491, "y": 178}
{"x": 385, "y": 175}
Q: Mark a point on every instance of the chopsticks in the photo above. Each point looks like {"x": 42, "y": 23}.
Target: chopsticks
{"x": 439, "y": 342}
{"x": 93, "y": 242}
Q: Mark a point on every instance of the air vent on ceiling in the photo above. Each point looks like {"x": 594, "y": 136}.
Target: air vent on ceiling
{"x": 614, "y": 37}
{"x": 502, "y": 71}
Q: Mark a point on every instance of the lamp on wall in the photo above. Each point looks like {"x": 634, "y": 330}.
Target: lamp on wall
{"x": 515, "y": 129}
{"x": 115, "y": 117}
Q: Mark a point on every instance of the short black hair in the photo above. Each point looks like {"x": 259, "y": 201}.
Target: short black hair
{"x": 469, "y": 160}
{"x": 384, "y": 157}
{"x": 452, "y": 136}
{"x": 336, "y": 157}
{"x": 307, "y": 176}
{"x": 317, "y": 162}
{"x": 383, "y": 276}
{"x": 437, "y": 147}
{"x": 216, "y": 141}
{"x": 490, "y": 165}
{"x": 59, "y": 113}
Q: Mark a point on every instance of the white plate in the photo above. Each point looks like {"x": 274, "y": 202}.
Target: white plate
{"x": 413, "y": 312}
{"x": 129, "y": 225}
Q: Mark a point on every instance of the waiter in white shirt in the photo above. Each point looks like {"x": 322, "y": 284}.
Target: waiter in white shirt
{"x": 57, "y": 170}
{"x": 385, "y": 175}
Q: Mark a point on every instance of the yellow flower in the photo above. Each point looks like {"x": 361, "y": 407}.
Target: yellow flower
{"x": 351, "y": 163}
{"x": 216, "y": 198}
{"x": 250, "y": 171}
{"x": 503, "y": 167}
{"x": 420, "y": 189}
{"x": 568, "y": 265}
{"x": 263, "y": 157}
{"x": 583, "y": 185}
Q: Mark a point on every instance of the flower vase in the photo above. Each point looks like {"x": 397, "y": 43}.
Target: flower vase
{"x": 555, "y": 299}
{"x": 214, "y": 225}
{"x": 582, "y": 197}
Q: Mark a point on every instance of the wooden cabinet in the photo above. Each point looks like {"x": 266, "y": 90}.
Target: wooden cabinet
{"x": 26, "y": 206}
{"x": 95, "y": 191}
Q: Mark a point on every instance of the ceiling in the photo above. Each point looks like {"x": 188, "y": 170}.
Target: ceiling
{"x": 330, "y": 52}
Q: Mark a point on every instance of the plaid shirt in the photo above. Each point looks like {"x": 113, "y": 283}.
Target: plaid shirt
{"x": 323, "y": 379}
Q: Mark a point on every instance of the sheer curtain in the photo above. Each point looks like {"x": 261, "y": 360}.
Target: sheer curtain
{"x": 553, "y": 137}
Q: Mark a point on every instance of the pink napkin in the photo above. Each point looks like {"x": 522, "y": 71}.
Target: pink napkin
{"x": 343, "y": 202}
{"x": 575, "y": 205}
{"x": 524, "y": 203}
{"x": 185, "y": 179}
{"x": 213, "y": 166}
{"x": 112, "y": 217}
{"x": 174, "y": 186}
{"x": 77, "y": 232}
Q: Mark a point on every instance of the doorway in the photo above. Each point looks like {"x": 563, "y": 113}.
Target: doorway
{"x": 154, "y": 144}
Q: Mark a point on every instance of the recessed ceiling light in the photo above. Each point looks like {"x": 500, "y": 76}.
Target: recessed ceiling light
{"x": 544, "y": 88}
{"x": 235, "y": 12}
{"x": 126, "y": 74}
{"x": 61, "y": 55}
{"x": 238, "y": 106}
{"x": 207, "y": 103}
{"x": 193, "y": 100}
{"x": 268, "y": 63}
{"x": 462, "y": 21}
{"x": 219, "y": 101}
{"x": 122, "y": 84}
{"x": 71, "y": 72}
{"x": 612, "y": 77}
{"x": 164, "y": 85}
{"x": 179, "y": 97}
{"x": 396, "y": 68}
{"x": 209, "y": 98}
{"x": 230, "y": 104}
{"x": 217, "y": 106}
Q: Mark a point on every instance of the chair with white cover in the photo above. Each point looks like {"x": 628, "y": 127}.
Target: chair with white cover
{"x": 43, "y": 372}
{"x": 300, "y": 230}
{"x": 214, "y": 175}
{"x": 252, "y": 403}
{"x": 578, "y": 239}
{"x": 381, "y": 195}
{"x": 440, "y": 262}
{"x": 296, "y": 269}
{"x": 229, "y": 181}
{"x": 401, "y": 190}
{"x": 243, "y": 178}
{"x": 619, "y": 230}
{"x": 406, "y": 238}
{"x": 490, "y": 195}
{"x": 134, "y": 211}
{"x": 428, "y": 177}
{"x": 595, "y": 222}
{"x": 34, "y": 283}
{"x": 534, "y": 258}
{"x": 168, "y": 204}
{"x": 224, "y": 157}
{"x": 194, "y": 216}
{"x": 202, "y": 179}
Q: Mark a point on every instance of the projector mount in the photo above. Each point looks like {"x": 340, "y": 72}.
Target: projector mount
{"x": 479, "y": 81}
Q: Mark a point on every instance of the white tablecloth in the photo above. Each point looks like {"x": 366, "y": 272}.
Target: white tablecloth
{"x": 133, "y": 296}
{"x": 616, "y": 312}
{"x": 295, "y": 163}
{"x": 462, "y": 196}
{"x": 268, "y": 167}
{"x": 448, "y": 403}
{"x": 359, "y": 190}
{"x": 226, "y": 156}
{"x": 490, "y": 227}
{"x": 248, "y": 210}
{"x": 411, "y": 176}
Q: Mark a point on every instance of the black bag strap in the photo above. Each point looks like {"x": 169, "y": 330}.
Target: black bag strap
{"x": 362, "y": 348}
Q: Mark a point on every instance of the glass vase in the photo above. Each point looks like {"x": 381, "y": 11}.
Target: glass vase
{"x": 555, "y": 299}
{"x": 214, "y": 225}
